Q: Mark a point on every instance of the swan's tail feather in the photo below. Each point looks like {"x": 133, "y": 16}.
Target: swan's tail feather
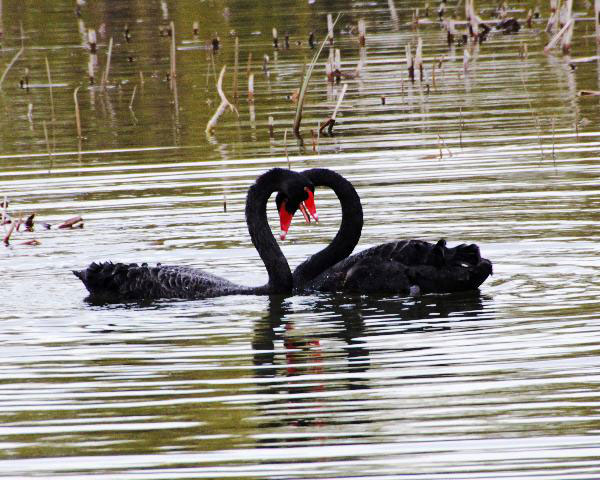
{"x": 113, "y": 279}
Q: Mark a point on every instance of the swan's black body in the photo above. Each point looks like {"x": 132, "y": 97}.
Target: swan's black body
{"x": 134, "y": 282}
{"x": 403, "y": 267}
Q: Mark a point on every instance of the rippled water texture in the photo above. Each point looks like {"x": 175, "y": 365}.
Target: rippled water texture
{"x": 501, "y": 384}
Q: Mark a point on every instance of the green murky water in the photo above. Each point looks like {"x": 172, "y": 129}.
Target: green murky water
{"x": 498, "y": 385}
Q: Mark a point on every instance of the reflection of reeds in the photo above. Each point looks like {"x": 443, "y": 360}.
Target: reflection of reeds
{"x": 47, "y": 146}
{"x": 50, "y": 89}
{"x": 77, "y": 116}
{"x": 535, "y": 117}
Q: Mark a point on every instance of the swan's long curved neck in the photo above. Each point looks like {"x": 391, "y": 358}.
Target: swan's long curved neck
{"x": 280, "y": 275}
{"x": 350, "y": 229}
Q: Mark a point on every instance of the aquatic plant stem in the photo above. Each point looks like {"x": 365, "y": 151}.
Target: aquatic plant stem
{"x": 304, "y": 87}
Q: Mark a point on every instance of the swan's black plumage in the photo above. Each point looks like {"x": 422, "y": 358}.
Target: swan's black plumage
{"x": 404, "y": 266}
{"x": 133, "y": 282}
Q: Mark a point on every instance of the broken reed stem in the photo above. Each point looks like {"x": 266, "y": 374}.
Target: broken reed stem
{"x": 271, "y": 128}
{"x": 132, "y": 97}
{"x": 53, "y": 118}
{"x": 339, "y": 102}
{"x": 212, "y": 123}
{"x": 235, "y": 68}
{"x": 77, "y": 116}
{"x": 107, "y": 68}
{"x": 9, "y": 66}
{"x": 173, "y": 69}
{"x": 330, "y": 28}
{"x": 552, "y": 43}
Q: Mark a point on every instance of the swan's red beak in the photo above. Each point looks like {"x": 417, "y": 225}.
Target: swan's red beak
{"x": 310, "y": 204}
{"x": 285, "y": 220}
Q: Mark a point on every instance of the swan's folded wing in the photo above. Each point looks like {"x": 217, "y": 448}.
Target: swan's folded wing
{"x": 133, "y": 282}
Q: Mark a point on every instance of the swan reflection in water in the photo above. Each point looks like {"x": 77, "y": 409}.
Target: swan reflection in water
{"x": 308, "y": 348}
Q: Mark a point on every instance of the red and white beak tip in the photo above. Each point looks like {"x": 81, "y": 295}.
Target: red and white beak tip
{"x": 282, "y": 234}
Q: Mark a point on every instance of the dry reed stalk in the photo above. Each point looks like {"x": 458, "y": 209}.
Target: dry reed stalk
{"x": 132, "y": 97}
{"x": 92, "y": 40}
{"x": 362, "y": 32}
{"x": 173, "y": 69}
{"x": 419, "y": 58}
{"x": 249, "y": 64}
{"x": 466, "y": 59}
{"x": 275, "y": 39}
{"x": 409, "y": 63}
{"x": 141, "y": 79}
{"x": 251, "y": 88}
{"x": 271, "y": 127}
{"x": 11, "y": 63}
{"x": 210, "y": 126}
{"x": 195, "y": 29}
{"x": 330, "y": 122}
{"x": 313, "y": 136}
{"x": 330, "y": 28}
{"x": 236, "y": 55}
{"x": 107, "y": 68}
{"x": 552, "y": 43}
{"x": 50, "y": 88}
{"x": 77, "y": 116}
{"x": 304, "y": 87}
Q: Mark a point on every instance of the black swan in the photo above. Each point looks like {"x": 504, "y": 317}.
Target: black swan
{"x": 403, "y": 267}
{"x": 140, "y": 282}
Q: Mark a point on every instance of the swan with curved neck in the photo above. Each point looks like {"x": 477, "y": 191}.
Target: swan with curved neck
{"x": 132, "y": 281}
{"x": 404, "y": 266}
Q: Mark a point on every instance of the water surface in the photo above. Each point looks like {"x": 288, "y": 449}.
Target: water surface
{"x": 499, "y": 384}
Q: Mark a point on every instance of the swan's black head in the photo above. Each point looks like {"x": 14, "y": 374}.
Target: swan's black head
{"x": 296, "y": 193}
